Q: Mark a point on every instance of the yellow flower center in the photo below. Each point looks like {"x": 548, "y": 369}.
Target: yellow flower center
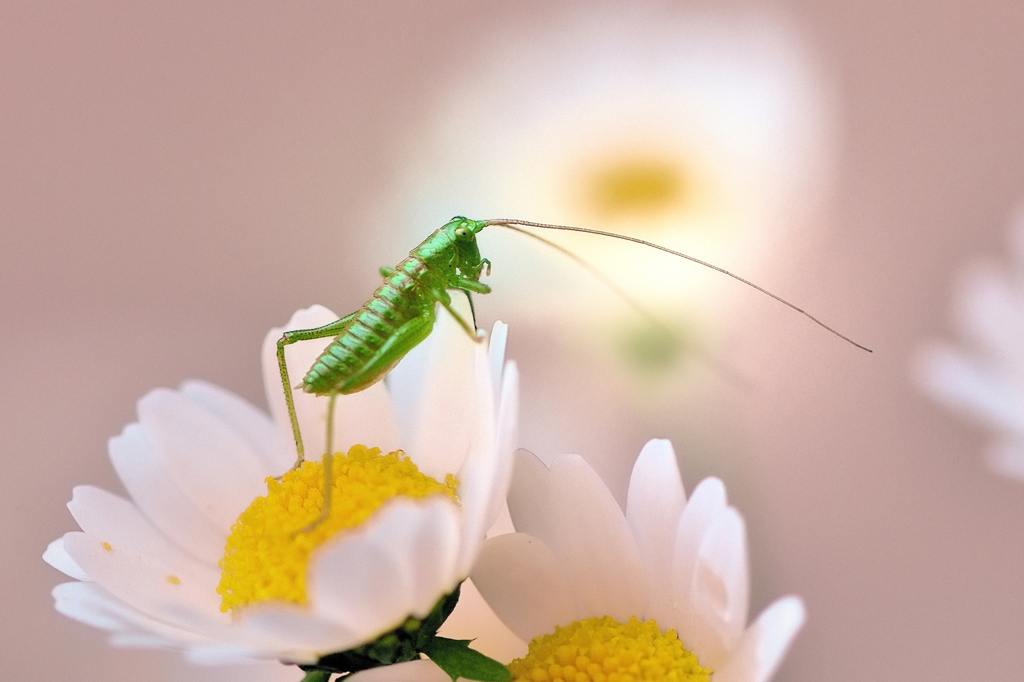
{"x": 605, "y": 650}
{"x": 267, "y": 552}
{"x": 636, "y": 186}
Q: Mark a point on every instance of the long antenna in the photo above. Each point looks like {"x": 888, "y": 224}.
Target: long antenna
{"x": 653, "y": 319}
{"x": 509, "y": 222}
{"x": 605, "y": 279}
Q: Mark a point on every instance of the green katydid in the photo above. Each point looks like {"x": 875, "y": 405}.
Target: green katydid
{"x": 401, "y": 312}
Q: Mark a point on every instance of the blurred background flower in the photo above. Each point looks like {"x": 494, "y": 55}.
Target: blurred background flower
{"x": 704, "y": 132}
{"x": 709, "y": 133}
{"x": 985, "y": 380}
{"x": 174, "y": 178}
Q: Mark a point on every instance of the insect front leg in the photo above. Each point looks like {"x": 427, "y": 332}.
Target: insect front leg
{"x": 288, "y": 338}
{"x": 446, "y": 301}
{"x": 472, "y": 308}
{"x": 471, "y": 285}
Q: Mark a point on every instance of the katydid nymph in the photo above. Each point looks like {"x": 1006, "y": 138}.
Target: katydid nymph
{"x": 401, "y": 313}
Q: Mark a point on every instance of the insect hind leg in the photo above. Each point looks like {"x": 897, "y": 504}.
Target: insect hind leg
{"x": 288, "y": 338}
{"x": 328, "y": 469}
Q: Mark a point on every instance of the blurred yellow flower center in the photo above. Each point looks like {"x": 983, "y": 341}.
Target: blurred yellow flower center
{"x": 605, "y": 650}
{"x": 636, "y": 186}
{"x": 267, "y": 553}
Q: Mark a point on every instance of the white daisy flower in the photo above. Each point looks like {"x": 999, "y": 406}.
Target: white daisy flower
{"x": 708, "y": 134}
{"x": 660, "y": 592}
{"x": 153, "y": 569}
{"x": 984, "y": 378}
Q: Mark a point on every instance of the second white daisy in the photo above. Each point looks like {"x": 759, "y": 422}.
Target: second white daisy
{"x": 658, "y": 593}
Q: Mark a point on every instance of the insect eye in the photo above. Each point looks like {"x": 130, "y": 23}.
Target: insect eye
{"x": 460, "y": 231}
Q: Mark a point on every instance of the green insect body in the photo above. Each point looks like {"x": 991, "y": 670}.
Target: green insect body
{"x": 401, "y": 312}
{"x": 399, "y": 316}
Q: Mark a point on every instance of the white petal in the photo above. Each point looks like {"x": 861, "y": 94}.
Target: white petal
{"x": 311, "y": 409}
{"x": 146, "y": 584}
{"x": 1006, "y": 458}
{"x": 215, "y": 468}
{"x": 399, "y": 563}
{"x": 119, "y": 523}
{"x": 705, "y": 505}
{"x": 763, "y": 645}
{"x": 498, "y": 520}
{"x": 525, "y": 583}
{"x": 654, "y": 504}
{"x": 406, "y": 383}
{"x": 58, "y": 557}
{"x": 139, "y": 640}
{"x": 160, "y": 499}
{"x": 508, "y": 435}
{"x": 586, "y": 529}
{"x": 474, "y": 619}
{"x": 964, "y": 383}
{"x": 251, "y": 424}
{"x": 444, "y": 422}
{"x": 496, "y": 350}
{"x": 529, "y": 503}
{"x": 89, "y": 603}
{"x": 422, "y": 670}
{"x": 218, "y": 653}
{"x": 366, "y": 418}
{"x": 294, "y": 629}
{"x": 720, "y": 592}
{"x": 75, "y": 600}
{"x": 990, "y": 312}
{"x": 484, "y": 474}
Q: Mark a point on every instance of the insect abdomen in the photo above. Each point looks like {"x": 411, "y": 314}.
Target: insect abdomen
{"x": 399, "y": 299}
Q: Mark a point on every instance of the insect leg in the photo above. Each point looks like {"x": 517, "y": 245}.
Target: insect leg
{"x": 467, "y": 285}
{"x": 327, "y": 462}
{"x": 462, "y": 323}
{"x": 329, "y": 446}
{"x": 288, "y": 338}
{"x": 472, "y": 308}
{"x": 328, "y": 468}
{"x": 470, "y": 285}
{"x": 458, "y": 318}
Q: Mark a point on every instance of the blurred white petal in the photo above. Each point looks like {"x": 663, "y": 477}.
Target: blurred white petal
{"x": 984, "y": 378}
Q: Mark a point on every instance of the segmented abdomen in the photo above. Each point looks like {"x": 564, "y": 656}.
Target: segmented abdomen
{"x": 404, "y": 295}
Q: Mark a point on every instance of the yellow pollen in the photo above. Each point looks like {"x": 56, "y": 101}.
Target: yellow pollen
{"x": 267, "y": 552}
{"x": 106, "y": 546}
{"x": 174, "y": 580}
{"x": 636, "y": 186}
{"x": 605, "y": 650}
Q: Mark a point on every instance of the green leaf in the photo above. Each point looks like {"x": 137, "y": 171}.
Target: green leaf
{"x": 317, "y": 676}
{"x": 456, "y": 658}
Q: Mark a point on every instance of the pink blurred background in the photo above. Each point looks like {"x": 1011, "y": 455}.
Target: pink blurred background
{"x": 177, "y": 178}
